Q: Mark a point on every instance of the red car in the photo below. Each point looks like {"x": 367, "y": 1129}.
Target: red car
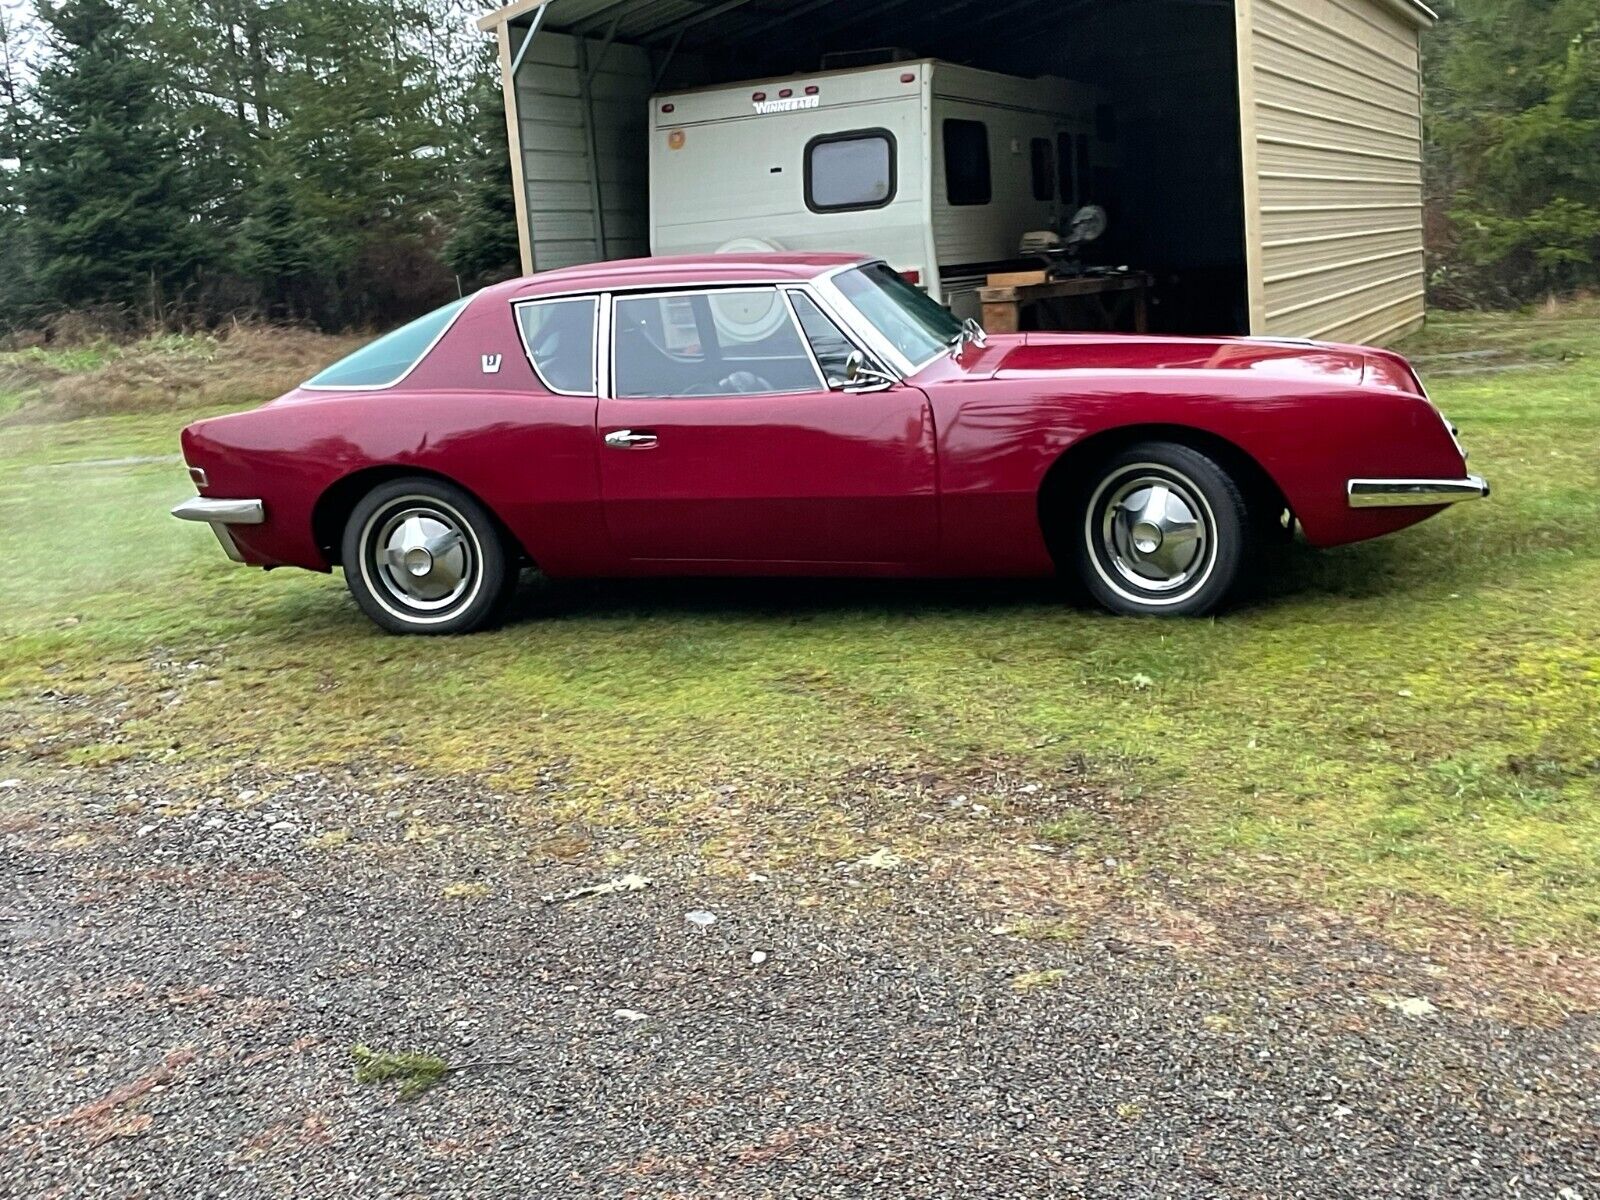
{"x": 806, "y": 415}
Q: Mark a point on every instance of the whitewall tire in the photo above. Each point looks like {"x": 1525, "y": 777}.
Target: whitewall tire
{"x": 1161, "y": 530}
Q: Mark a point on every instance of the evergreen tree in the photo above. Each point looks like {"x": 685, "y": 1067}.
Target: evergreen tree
{"x": 281, "y": 248}
{"x": 1514, "y": 146}
{"x": 482, "y": 246}
{"x": 108, "y": 205}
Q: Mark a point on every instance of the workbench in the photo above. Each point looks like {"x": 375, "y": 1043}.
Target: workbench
{"x": 1107, "y": 298}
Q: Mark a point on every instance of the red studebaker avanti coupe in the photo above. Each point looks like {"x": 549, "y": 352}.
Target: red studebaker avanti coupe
{"x": 806, "y": 415}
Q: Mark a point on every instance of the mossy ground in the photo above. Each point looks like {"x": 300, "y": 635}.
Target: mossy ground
{"x": 1410, "y": 724}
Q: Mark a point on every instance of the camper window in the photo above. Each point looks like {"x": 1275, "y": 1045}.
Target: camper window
{"x": 1044, "y": 170}
{"x": 1064, "y": 172}
{"x": 845, "y": 171}
{"x": 966, "y": 162}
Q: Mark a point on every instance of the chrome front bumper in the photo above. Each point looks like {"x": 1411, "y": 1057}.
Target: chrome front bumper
{"x": 220, "y": 514}
{"x": 1414, "y": 493}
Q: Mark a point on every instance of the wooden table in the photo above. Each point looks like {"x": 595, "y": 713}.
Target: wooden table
{"x": 1110, "y": 295}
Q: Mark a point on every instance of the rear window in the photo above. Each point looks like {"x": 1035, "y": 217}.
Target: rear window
{"x": 966, "y": 162}
{"x": 844, "y": 171}
{"x": 388, "y": 360}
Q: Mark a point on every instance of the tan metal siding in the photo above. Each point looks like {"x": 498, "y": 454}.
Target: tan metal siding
{"x": 1331, "y": 97}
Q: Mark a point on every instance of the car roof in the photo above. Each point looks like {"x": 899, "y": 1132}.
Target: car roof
{"x": 685, "y": 270}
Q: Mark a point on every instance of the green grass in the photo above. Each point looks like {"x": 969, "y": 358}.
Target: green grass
{"x": 1410, "y": 724}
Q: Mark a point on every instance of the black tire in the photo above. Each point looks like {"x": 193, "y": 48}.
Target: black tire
{"x": 423, "y": 556}
{"x": 1179, "y": 562}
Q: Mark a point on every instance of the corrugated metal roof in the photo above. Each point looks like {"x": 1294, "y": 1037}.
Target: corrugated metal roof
{"x": 708, "y": 21}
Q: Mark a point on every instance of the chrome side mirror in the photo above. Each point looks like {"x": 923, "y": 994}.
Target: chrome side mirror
{"x": 859, "y": 376}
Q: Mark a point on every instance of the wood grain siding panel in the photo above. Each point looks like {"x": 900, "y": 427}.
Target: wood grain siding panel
{"x": 1333, "y": 133}
{"x": 562, "y": 224}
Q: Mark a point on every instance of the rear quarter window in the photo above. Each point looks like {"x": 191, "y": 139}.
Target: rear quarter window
{"x": 389, "y": 359}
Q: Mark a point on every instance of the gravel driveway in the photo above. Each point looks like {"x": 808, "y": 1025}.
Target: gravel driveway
{"x": 182, "y": 991}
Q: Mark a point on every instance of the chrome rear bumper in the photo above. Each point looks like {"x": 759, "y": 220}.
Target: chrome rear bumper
{"x": 1414, "y": 493}
{"x": 220, "y": 514}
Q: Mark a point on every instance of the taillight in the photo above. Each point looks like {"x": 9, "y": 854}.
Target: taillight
{"x": 912, "y": 277}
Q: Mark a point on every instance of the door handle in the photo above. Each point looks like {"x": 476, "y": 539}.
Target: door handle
{"x": 628, "y": 439}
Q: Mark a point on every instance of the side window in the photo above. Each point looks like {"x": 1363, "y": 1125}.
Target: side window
{"x": 966, "y": 162}
{"x": 733, "y": 342}
{"x": 830, "y": 346}
{"x": 845, "y": 171}
{"x": 1044, "y": 169}
{"x": 559, "y": 338}
{"x": 1065, "y": 178}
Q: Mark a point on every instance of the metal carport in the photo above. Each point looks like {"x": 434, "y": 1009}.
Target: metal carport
{"x": 1273, "y": 149}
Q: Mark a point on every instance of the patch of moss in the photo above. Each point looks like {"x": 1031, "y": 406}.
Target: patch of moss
{"x": 416, "y": 1073}
{"x": 1029, "y": 981}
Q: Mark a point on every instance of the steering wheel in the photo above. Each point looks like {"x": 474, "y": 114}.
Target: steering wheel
{"x": 744, "y": 382}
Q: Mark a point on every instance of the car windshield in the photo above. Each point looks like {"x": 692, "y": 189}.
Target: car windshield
{"x": 918, "y": 326}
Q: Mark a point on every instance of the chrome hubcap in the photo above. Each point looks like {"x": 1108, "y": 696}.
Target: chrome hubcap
{"x": 421, "y": 554}
{"x": 1153, "y": 530}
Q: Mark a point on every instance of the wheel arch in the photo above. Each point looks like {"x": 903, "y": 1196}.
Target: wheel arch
{"x": 338, "y": 501}
{"x": 1058, "y": 489}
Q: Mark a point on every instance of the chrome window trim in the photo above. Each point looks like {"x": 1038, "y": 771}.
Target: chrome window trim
{"x": 844, "y": 329}
{"x": 466, "y": 303}
{"x": 811, "y": 352}
{"x": 594, "y": 350}
{"x": 621, "y": 289}
{"x": 701, "y": 290}
{"x": 1414, "y": 493}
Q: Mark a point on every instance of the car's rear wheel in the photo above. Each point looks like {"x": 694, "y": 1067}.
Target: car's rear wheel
{"x": 422, "y": 556}
{"x": 1161, "y": 530}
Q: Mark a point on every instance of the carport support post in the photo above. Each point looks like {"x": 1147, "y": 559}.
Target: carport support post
{"x": 508, "y": 86}
{"x": 1249, "y": 163}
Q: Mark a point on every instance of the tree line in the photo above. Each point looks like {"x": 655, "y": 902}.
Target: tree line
{"x": 343, "y": 162}
{"x": 1512, "y": 116}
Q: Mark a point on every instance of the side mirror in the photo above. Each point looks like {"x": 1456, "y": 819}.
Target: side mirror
{"x": 861, "y": 377}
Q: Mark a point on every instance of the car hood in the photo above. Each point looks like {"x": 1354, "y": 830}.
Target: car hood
{"x": 1036, "y": 354}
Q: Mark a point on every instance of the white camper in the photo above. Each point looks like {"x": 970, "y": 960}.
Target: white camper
{"x": 937, "y": 168}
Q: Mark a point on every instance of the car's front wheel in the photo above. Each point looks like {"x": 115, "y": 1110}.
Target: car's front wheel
{"x": 1161, "y": 531}
{"x": 423, "y": 556}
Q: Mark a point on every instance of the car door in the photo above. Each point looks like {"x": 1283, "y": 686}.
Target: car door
{"x": 722, "y": 441}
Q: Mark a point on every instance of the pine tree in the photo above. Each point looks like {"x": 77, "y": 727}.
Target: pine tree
{"x": 103, "y": 183}
{"x": 482, "y": 246}
{"x": 1514, "y": 146}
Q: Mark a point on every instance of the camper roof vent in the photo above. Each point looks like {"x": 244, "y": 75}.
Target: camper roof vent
{"x": 836, "y": 60}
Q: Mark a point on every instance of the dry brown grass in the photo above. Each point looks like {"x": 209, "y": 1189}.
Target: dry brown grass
{"x": 237, "y": 365}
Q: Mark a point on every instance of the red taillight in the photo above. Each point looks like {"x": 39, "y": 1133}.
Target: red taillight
{"x": 812, "y": 90}
{"x": 785, "y": 93}
{"x": 908, "y": 77}
{"x": 912, "y": 277}
{"x": 758, "y": 97}
{"x": 669, "y": 108}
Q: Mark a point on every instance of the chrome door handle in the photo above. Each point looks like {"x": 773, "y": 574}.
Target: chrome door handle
{"x": 627, "y": 439}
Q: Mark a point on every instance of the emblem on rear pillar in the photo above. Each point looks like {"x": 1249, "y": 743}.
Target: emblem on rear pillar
{"x": 491, "y": 364}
